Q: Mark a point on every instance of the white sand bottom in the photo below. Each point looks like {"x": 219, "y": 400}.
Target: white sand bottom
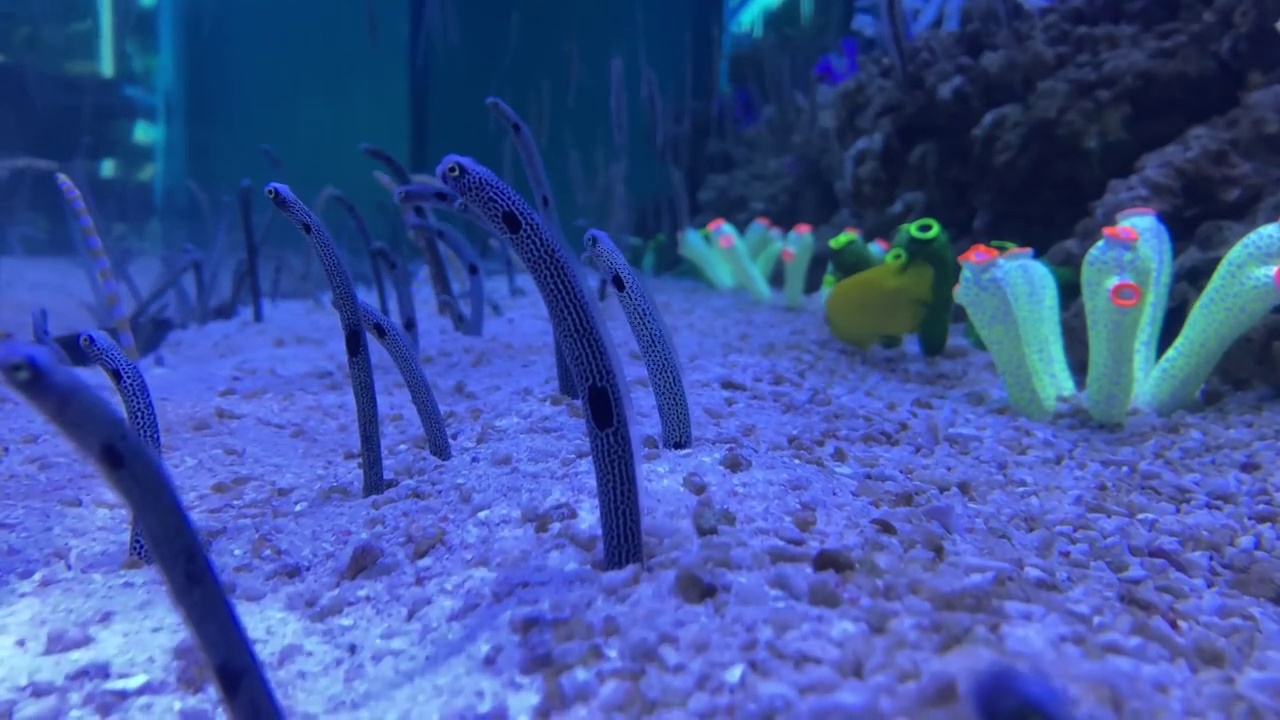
{"x": 1135, "y": 567}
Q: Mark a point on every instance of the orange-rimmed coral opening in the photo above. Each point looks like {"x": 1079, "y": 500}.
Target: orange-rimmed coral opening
{"x": 1275, "y": 276}
{"x": 787, "y": 255}
{"x": 979, "y": 254}
{"x": 1019, "y": 252}
{"x": 802, "y": 228}
{"x": 1123, "y": 233}
{"x": 725, "y": 240}
{"x": 853, "y": 230}
{"x": 1134, "y": 212}
{"x": 884, "y": 244}
{"x": 1125, "y": 294}
{"x": 716, "y": 224}
{"x": 763, "y": 221}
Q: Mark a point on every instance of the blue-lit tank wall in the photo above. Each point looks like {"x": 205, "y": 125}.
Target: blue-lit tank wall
{"x": 305, "y": 77}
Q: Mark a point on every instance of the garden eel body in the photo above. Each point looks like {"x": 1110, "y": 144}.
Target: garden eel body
{"x": 438, "y": 197}
{"x": 536, "y": 172}
{"x": 397, "y": 346}
{"x": 440, "y": 281}
{"x": 101, "y": 265}
{"x": 138, "y": 475}
{"x": 659, "y": 354}
{"x": 138, "y": 408}
{"x": 580, "y": 331}
{"x": 345, "y": 302}
{"x": 362, "y": 230}
{"x": 244, "y": 204}
{"x": 426, "y": 230}
{"x": 402, "y": 285}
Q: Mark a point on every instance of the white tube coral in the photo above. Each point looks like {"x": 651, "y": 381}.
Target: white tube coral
{"x": 1114, "y": 279}
{"x": 1125, "y": 279}
{"x": 771, "y": 246}
{"x": 983, "y": 292}
{"x": 1034, "y": 294}
{"x": 1114, "y": 318}
{"x": 796, "y": 257}
{"x": 728, "y": 241}
{"x": 694, "y": 247}
{"x": 1155, "y": 245}
{"x": 1241, "y": 292}
{"x": 756, "y": 236}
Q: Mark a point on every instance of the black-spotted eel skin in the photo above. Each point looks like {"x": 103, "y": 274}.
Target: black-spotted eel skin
{"x": 357, "y": 347}
{"x": 580, "y": 331}
{"x": 136, "y": 472}
{"x": 397, "y": 345}
{"x": 139, "y": 410}
{"x": 660, "y": 359}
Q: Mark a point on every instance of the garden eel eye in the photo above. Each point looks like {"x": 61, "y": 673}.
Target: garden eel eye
{"x": 454, "y": 170}
{"x": 19, "y": 371}
{"x": 271, "y": 193}
{"x": 86, "y": 341}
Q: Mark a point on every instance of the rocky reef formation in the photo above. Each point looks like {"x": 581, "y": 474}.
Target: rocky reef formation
{"x": 1039, "y": 132}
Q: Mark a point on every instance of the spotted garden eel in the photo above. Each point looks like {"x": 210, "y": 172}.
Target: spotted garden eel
{"x": 426, "y": 231}
{"x": 136, "y": 472}
{"x": 536, "y": 172}
{"x": 402, "y": 286}
{"x": 440, "y": 281}
{"x": 396, "y": 343}
{"x": 357, "y": 348}
{"x": 580, "y": 331}
{"x": 139, "y": 410}
{"x": 659, "y": 353}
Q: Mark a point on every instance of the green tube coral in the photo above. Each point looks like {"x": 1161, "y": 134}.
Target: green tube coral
{"x": 1241, "y": 292}
{"x": 850, "y": 255}
{"x": 984, "y": 294}
{"x": 925, "y": 241}
{"x": 1157, "y": 250}
{"x": 1115, "y": 279}
{"x": 796, "y": 257}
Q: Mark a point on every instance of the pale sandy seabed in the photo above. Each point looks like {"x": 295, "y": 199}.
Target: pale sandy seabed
{"x": 1135, "y": 567}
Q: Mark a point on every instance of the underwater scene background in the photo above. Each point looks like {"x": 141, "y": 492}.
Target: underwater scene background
{"x": 713, "y": 359}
